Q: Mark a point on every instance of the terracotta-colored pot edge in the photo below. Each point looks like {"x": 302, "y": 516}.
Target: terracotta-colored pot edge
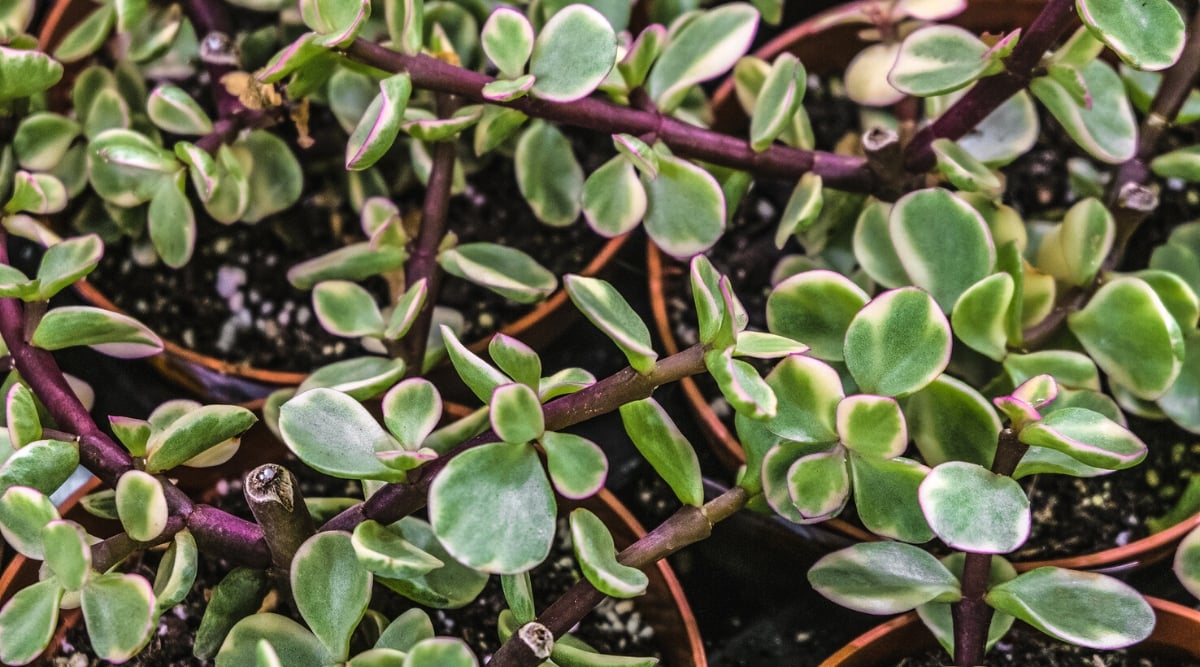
{"x": 1176, "y": 628}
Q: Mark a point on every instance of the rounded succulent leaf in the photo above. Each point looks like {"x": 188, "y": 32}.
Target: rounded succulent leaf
{"x": 807, "y": 393}
{"x": 172, "y": 109}
{"x": 333, "y": 433}
{"x": 741, "y": 384}
{"x": 88, "y": 36}
{"x": 43, "y": 465}
{"x": 1088, "y": 437}
{"x": 176, "y": 571}
{"x": 604, "y": 307}
{"x": 777, "y": 100}
{"x": 963, "y": 170}
{"x": 1132, "y": 336}
{"x": 506, "y": 271}
{"x": 352, "y": 263}
{"x": 898, "y": 343}
{"x": 1006, "y": 134}
{"x": 1074, "y": 251}
{"x": 775, "y": 459}
{"x": 23, "y": 514}
{"x": 68, "y": 554}
{"x": 1069, "y": 368}
{"x": 26, "y": 72}
{"x": 951, "y": 421}
{"x": 141, "y": 505}
{"x": 119, "y": 612}
{"x": 1107, "y": 129}
{"x": 360, "y": 378}
{"x": 516, "y": 413}
{"x": 448, "y": 587}
{"x": 815, "y": 308}
{"x": 194, "y": 433}
{"x": 939, "y": 59}
{"x": 866, "y": 76}
{"x": 974, "y": 510}
{"x": 274, "y": 174}
{"x": 685, "y": 212}
{"x": 331, "y": 589}
{"x": 704, "y": 48}
{"x": 507, "y": 39}
{"x": 347, "y": 309}
{"x": 1148, "y": 35}
{"x": 665, "y": 448}
{"x": 980, "y": 316}
{"x": 336, "y": 22}
{"x": 597, "y": 556}
{"x": 548, "y": 174}
{"x": 1186, "y": 563}
{"x": 885, "y": 494}
{"x": 577, "y": 466}
{"x": 66, "y": 262}
{"x": 573, "y": 54}
{"x": 614, "y": 199}
{"x": 872, "y": 426}
{"x": 406, "y": 630}
{"x": 293, "y": 643}
{"x": 516, "y": 359}
{"x": 127, "y": 168}
{"x": 1084, "y": 608}
{"x": 874, "y": 248}
{"x": 945, "y": 257}
{"x": 42, "y": 139}
{"x": 27, "y": 622}
{"x": 883, "y": 578}
{"x": 1182, "y": 401}
{"x": 379, "y": 124}
{"x": 411, "y": 411}
{"x": 440, "y": 652}
{"x": 493, "y": 508}
{"x": 819, "y": 485}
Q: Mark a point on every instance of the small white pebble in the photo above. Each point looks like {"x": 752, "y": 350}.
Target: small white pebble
{"x": 230, "y": 280}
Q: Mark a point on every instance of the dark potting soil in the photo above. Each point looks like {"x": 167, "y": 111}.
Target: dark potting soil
{"x": 616, "y": 627}
{"x": 1024, "y": 647}
{"x": 233, "y": 302}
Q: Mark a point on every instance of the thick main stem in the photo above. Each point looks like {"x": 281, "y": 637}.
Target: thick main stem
{"x": 395, "y": 501}
{"x": 1056, "y": 18}
{"x": 971, "y": 614}
{"x": 687, "y": 526}
{"x": 422, "y": 262}
{"x": 837, "y": 171}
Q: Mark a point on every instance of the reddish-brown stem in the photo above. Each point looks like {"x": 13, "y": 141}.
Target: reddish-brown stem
{"x": 422, "y": 261}
{"x": 687, "y": 526}
{"x": 1056, "y": 18}
{"x": 838, "y": 171}
{"x": 396, "y": 501}
{"x": 1130, "y": 202}
{"x": 971, "y": 614}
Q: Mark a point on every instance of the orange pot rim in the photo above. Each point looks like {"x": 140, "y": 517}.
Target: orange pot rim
{"x": 1169, "y": 631}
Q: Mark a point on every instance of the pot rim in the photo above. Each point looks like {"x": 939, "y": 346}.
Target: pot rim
{"x": 1175, "y": 626}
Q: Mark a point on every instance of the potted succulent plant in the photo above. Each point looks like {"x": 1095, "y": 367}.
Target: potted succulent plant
{"x": 861, "y": 350}
{"x": 872, "y": 241}
{"x": 265, "y": 232}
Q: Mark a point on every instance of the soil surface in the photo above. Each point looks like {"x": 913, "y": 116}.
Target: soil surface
{"x": 233, "y": 302}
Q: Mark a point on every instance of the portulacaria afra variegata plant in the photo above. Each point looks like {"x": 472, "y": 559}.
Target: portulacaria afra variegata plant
{"x": 932, "y": 344}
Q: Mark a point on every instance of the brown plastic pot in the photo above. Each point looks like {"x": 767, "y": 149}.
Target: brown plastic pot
{"x": 823, "y": 47}
{"x": 664, "y": 606}
{"x": 218, "y": 380}
{"x": 1176, "y": 635}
